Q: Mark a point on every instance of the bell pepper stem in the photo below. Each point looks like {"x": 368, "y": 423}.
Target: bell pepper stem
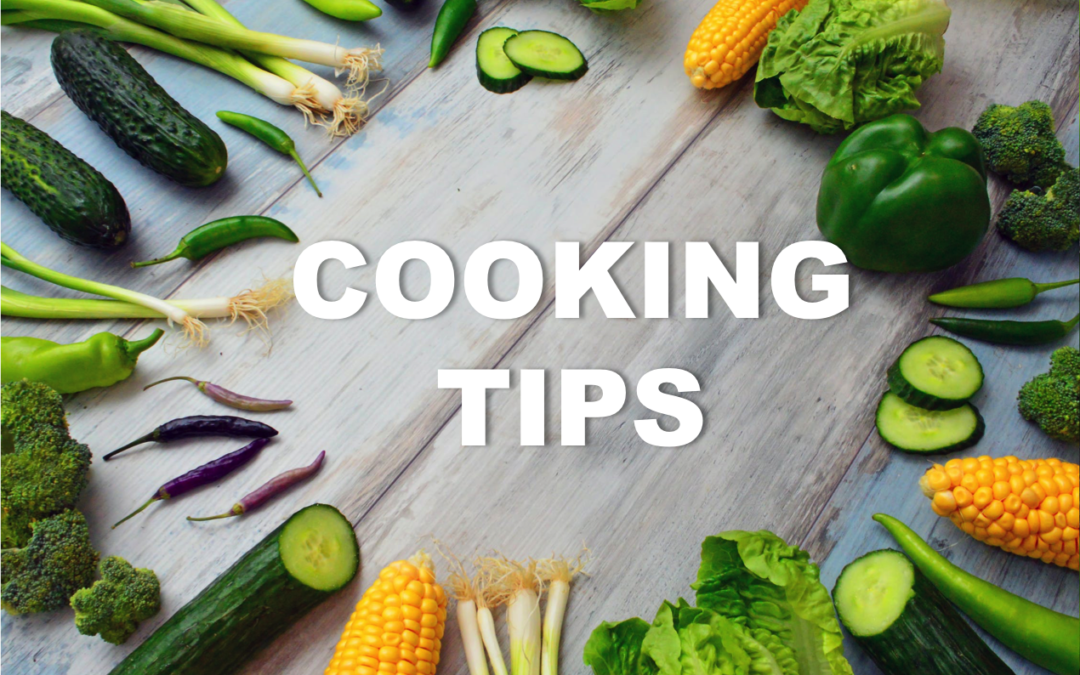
{"x": 132, "y": 348}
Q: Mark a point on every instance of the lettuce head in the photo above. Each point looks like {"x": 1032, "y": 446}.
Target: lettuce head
{"x": 837, "y": 64}
{"x": 761, "y": 610}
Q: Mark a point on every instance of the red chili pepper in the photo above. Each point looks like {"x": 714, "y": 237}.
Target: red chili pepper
{"x": 226, "y": 397}
{"x": 270, "y": 490}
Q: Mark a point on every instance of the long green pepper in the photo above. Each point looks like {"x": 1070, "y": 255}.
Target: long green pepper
{"x": 219, "y": 234}
{"x": 997, "y": 294}
{"x": 269, "y": 134}
{"x": 448, "y": 27}
{"x": 1008, "y": 332}
{"x": 101, "y": 361}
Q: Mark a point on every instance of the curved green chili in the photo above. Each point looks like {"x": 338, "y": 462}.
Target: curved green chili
{"x": 219, "y": 234}
{"x": 101, "y": 361}
{"x": 998, "y": 294}
{"x": 1008, "y": 332}
{"x": 269, "y": 134}
{"x": 448, "y": 26}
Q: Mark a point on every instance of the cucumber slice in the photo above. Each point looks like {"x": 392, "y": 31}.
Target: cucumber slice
{"x": 494, "y": 70}
{"x": 913, "y": 429}
{"x": 936, "y": 373}
{"x": 318, "y": 548}
{"x": 904, "y": 623}
{"x": 544, "y": 54}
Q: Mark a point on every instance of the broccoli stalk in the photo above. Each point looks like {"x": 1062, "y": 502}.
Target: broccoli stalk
{"x": 116, "y": 603}
{"x": 58, "y": 561}
{"x": 1020, "y": 144}
{"x": 44, "y": 470}
{"x": 1052, "y": 399}
{"x": 1044, "y": 222}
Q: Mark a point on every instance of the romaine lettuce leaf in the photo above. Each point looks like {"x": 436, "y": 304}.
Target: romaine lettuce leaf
{"x": 839, "y": 63}
{"x": 772, "y": 590}
{"x": 615, "y": 648}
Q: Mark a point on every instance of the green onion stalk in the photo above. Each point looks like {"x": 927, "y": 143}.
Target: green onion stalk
{"x": 346, "y": 113}
{"x": 58, "y": 15}
{"x": 519, "y": 585}
{"x": 359, "y": 62}
{"x": 250, "y": 305}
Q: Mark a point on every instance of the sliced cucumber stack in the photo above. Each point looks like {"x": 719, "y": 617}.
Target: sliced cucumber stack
{"x": 494, "y": 70}
{"x": 541, "y": 53}
{"x": 936, "y": 373}
{"x": 914, "y": 429}
{"x": 904, "y": 623}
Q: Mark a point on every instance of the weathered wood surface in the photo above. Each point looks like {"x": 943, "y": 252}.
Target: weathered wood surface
{"x": 629, "y": 153}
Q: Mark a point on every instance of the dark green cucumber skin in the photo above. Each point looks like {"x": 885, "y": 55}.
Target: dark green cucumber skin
{"x": 975, "y": 437}
{"x": 69, "y": 195}
{"x": 242, "y": 611}
{"x": 920, "y": 399}
{"x": 111, "y": 88}
{"x": 930, "y": 638}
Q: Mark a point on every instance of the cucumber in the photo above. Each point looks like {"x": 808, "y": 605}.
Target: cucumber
{"x": 72, "y": 197}
{"x": 905, "y": 624}
{"x": 494, "y": 70}
{"x": 936, "y": 373}
{"x": 544, "y": 54}
{"x": 111, "y": 88}
{"x": 913, "y": 429}
{"x": 297, "y": 566}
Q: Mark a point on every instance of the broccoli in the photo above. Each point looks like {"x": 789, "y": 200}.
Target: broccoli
{"x": 44, "y": 470}
{"x": 1052, "y": 400}
{"x": 117, "y": 602}
{"x": 58, "y": 561}
{"x": 1044, "y": 222}
{"x": 1020, "y": 144}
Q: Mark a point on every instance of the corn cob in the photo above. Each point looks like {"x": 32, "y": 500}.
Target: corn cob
{"x": 1027, "y": 507}
{"x": 730, "y": 39}
{"x": 398, "y": 624}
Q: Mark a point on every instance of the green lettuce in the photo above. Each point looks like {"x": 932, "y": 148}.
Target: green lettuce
{"x": 840, "y": 63}
{"x": 761, "y": 610}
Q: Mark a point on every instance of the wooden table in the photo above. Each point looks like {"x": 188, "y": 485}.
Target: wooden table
{"x": 629, "y": 153}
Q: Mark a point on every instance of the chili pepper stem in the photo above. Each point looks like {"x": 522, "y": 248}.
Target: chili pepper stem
{"x": 1057, "y": 284}
{"x": 170, "y": 379}
{"x": 296, "y": 156}
{"x": 138, "y": 441}
{"x": 137, "y": 511}
{"x": 231, "y": 514}
{"x": 135, "y": 347}
{"x": 157, "y": 261}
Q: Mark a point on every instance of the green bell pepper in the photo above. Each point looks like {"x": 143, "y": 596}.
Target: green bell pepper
{"x": 895, "y": 198}
{"x": 101, "y": 361}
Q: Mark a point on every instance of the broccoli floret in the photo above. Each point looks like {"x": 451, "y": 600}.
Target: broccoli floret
{"x": 58, "y": 561}
{"x": 1044, "y": 222}
{"x": 44, "y": 471}
{"x": 117, "y": 602}
{"x": 1052, "y": 400}
{"x": 1019, "y": 143}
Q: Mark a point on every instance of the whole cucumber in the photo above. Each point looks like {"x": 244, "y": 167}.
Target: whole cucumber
{"x": 111, "y": 88}
{"x": 72, "y": 197}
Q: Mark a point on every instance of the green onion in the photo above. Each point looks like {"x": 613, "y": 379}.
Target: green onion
{"x": 347, "y": 114}
{"x": 557, "y": 573}
{"x": 520, "y": 586}
{"x": 192, "y": 26}
{"x": 57, "y": 15}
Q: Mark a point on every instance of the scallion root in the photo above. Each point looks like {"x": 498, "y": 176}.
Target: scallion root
{"x": 520, "y": 586}
{"x": 361, "y": 62}
{"x": 253, "y": 304}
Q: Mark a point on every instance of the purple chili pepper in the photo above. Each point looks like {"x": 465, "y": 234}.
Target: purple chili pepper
{"x": 201, "y": 425}
{"x": 226, "y": 397}
{"x": 204, "y": 475}
{"x": 269, "y": 490}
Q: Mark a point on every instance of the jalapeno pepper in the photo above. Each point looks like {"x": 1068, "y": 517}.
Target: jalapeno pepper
{"x": 998, "y": 294}
{"x": 101, "y": 361}
{"x": 1008, "y": 332}
{"x": 219, "y": 234}
{"x": 269, "y": 134}
{"x": 448, "y": 26}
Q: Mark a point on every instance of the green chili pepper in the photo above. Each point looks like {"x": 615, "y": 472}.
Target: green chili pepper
{"x": 998, "y": 294}
{"x": 101, "y": 361}
{"x": 448, "y": 26}
{"x": 216, "y": 235}
{"x": 1008, "y": 332}
{"x": 269, "y": 134}
{"x": 349, "y": 10}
